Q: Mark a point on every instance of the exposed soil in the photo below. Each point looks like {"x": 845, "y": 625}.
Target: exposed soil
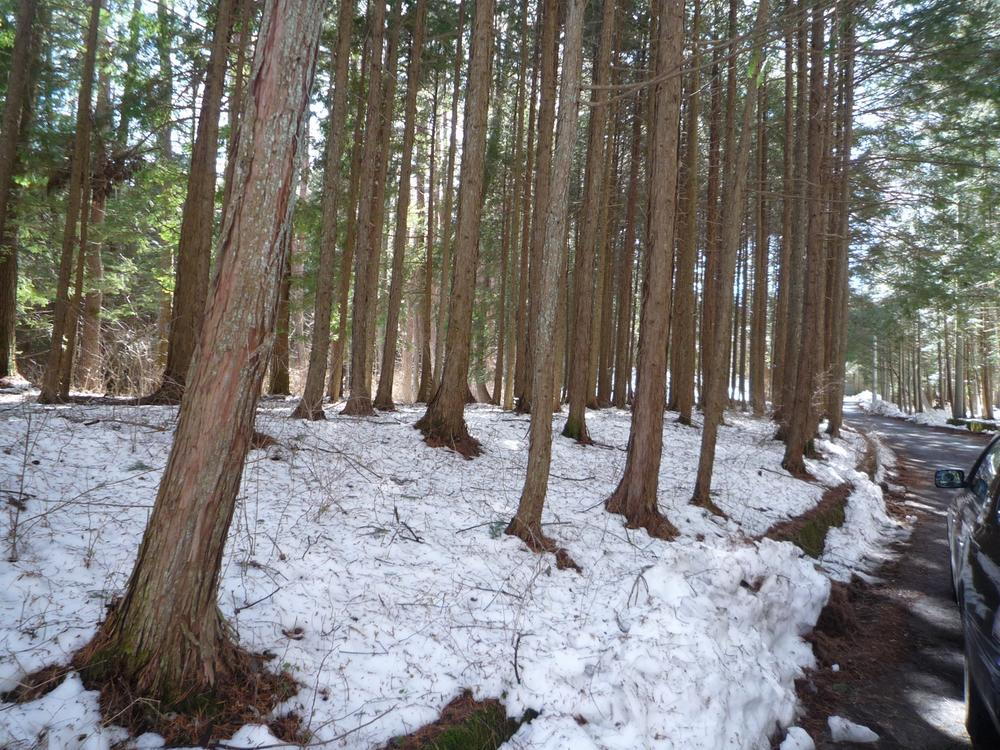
{"x": 464, "y": 724}
{"x": 808, "y": 531}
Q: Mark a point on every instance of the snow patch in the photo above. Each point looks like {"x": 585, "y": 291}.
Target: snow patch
{"x": 844, "y": 730}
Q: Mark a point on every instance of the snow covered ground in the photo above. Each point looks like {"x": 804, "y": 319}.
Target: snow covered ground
{"x": 872, "y": 404}
{"x": 385, "y": 562}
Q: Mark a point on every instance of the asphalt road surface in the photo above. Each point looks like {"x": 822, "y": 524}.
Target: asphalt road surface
{"x": 917, "y": 702}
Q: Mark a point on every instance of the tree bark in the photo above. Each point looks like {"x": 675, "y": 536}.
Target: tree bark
{"x": 585, "y": 298}
{"x": 166, "y": 638}
{"x": 601, "y": 339}
{"x": 835, "y": 409}
{"x": 711, "y": 218}
{"x": 311, "y": 405}
{"x": 635, "y": 496}
{"x": 80, "y": 168}
{"x": 797, "y": 251}
{"x": 164, "y": 43}
{"x": 194, "y": 250}
{"x": 383, "y": 397}
{"x": 799, "y": 417}
{"x": 729, "y": 239}
{"x": 682, "y": 344}
{"x": 501, "y": 309}
{"x": 623, "y": 331}
{"x": 369, "y": 233}
{"x": 18, "y": 84}
{"x": 527, "y": 524}
{"x": 785, "y": 273}
{"x": 336, "y": 379}
{"x": 447, "y": 264}
{"x": 758, "y": 331}
{"x": 244, "y": 27}
{"x": 444, "y": 421}
{"x": 89, "y": 364}
{"x": 549, "y": 43}
{"x": 279, "y": 385}
{"x": 522, "y": 378}
{"x": 426, "y": 388}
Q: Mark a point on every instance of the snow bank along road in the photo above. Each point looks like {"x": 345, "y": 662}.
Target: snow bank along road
{"x": 376, "y": 570}
{"x": 918, "y": 703}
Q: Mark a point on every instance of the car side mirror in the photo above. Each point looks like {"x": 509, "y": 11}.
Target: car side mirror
{"x": 949, "y": 479}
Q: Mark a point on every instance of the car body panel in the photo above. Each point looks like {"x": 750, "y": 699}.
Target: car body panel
{"x": 974, "y": 545}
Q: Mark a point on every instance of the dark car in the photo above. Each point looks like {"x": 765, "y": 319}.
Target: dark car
{"x": 974, "y": 542}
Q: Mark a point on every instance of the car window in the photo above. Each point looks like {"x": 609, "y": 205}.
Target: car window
{"x": 986, "y": 473}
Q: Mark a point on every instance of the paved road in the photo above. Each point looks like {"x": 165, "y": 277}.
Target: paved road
{"x": 917, "y": 702}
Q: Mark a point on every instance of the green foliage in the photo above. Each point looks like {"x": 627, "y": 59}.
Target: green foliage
{"x": 926, "y": 236}
{"x": 486, "y": 729}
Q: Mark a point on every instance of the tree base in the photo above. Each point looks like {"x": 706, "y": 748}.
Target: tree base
{"x": 169, "y": 393}
{"x": 708, "y": 504}
{"x": 384, "y": 405}
{"x": 796, "y": 466}
{"x": 302, "y": 411}
{"x": 684, "y": 419}
{"x": 577, "y": 430}
{"x": 655, "y": 523}
{"x": 358, "y": 406}
{"x": 537, "y": 542}
{"x": 194, "y": 713}
{"x": 50, "y": 400}
{"x": 439, "y": 435}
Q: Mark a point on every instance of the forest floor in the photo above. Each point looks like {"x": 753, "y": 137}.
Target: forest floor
{"x": 375, "y": 569}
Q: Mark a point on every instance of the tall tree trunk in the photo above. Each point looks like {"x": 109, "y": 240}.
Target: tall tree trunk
{"x": 758, "y": 332}
{"x": 89, "y": 364}
{"x": 522, "y": 378}
{"x": 444, "y": 421}
{"x": 73, "y": 311}
{"x": 842, "y": 240}
{"x": 79, "y": 170}
{"x": 708, "y": 319}
{"x": 166, "y": 637}
{"x": 518, "y": 260}
{"x": 984, "y": 363}
{"x": 383, "y": 398}
{"x": 682, "y": 332}
{"x": 950, "y": 392}
{"x": 279, "y": 385}
{"x": 729, "y": 239}
{"x": 527, "y": 524}
{"x": 194, "y": 250}
{"x": 164, "y": 44}
{"x": 369, "y": 237}
{"x": 601, "y": 341}
{"x": 426, "y": 388}
{"x": 244, "y": 29}
{"x": 585, "y": 297}
{"x": 336, "y": 379}
{"x": 799, "y": 416}
{"x": 635, "y": 496}
{"x": 623, "y": 332}
{"x": 779, "y": 334}
{"x": 797, "y": 251}
{"x": 501, "y": 310}
{"x": 549, "y": 10}
{"x": 377, "y": 271}
{"x": 447, "y": 270}
{"x": 311, "y": 404}
{"x": 15, "y": 106}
